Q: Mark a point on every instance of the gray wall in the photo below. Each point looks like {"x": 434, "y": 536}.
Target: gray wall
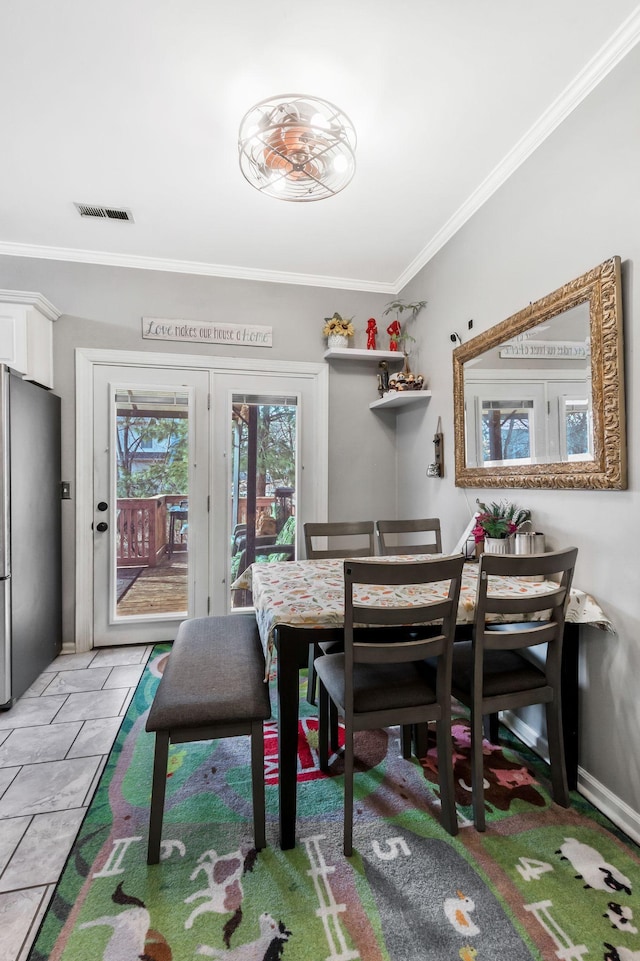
{"x": 572, "y": 205}
{"x": 103, "y": 307}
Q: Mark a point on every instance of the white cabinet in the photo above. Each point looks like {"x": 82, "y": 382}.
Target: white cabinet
{"x": 26, "y": 342}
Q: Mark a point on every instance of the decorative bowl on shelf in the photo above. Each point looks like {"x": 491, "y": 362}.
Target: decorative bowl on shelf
{"x": 404, "y": 381}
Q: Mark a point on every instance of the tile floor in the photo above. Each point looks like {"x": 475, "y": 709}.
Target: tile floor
{"x": 54, "y": 744}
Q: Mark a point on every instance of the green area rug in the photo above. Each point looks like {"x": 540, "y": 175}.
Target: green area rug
{"x": 542, "y": 882}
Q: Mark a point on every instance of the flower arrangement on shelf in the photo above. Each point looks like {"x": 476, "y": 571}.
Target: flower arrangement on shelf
{"x": 338, "y": 326}
{"x": 499, "y": 520}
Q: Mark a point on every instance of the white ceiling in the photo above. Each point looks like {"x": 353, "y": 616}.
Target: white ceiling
{"x": 137, "y": 104}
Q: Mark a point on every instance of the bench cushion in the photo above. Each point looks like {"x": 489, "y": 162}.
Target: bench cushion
{"x": 214, "y": 674}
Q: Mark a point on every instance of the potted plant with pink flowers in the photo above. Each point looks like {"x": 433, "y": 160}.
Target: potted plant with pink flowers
{"x": 496, "y": 524}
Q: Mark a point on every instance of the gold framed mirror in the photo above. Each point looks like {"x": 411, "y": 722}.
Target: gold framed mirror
{"x": 539, "y": 398}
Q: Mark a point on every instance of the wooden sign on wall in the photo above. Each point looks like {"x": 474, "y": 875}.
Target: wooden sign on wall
{"x": 202, "y": 332}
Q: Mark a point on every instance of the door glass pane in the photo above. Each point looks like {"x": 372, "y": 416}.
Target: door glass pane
{"x": 152, "y": 475}
{"x": 263, "y": 483}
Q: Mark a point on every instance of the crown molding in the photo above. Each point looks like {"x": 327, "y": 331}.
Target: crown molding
{"x": 28, "y": 297}
{"x": 108, "y": 259}
{"x": 593, "y": 73}
{"x": 600, "y": 65}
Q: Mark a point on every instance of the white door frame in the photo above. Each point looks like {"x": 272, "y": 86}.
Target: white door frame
{"x": 86, "y": 359}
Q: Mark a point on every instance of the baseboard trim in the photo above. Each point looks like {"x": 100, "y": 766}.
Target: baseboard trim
{"x": 608, "y": 803}
{"x": 618, "y": 811}
{"x": 528, "y": 735}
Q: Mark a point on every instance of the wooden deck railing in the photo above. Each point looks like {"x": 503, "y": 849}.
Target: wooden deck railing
{"x": 142, "y": 529}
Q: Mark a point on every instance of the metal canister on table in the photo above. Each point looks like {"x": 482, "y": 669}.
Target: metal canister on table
{"x": 528, "y": 542}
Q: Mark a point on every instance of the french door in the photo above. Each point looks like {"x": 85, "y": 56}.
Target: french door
{"x": 162, "y": 482}
{"x": 269, "y": 471}
{"x": 151, "y": 482}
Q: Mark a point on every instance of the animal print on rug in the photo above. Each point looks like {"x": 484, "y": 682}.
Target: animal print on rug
{"x": 541, "y": 883}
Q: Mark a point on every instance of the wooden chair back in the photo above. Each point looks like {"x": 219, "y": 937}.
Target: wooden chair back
{"x": 359, "y": 534}
{"x": 407, "y": 543}
{"x": 433, "y": 621}
{"x": 517, "y": 629}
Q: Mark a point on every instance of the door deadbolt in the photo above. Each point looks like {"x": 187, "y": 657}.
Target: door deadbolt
{"x": 103, "y": 506}
{"x": 102, "y": 526}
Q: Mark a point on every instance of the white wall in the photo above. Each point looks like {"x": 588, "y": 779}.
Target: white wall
{"x": 572, "y": 205}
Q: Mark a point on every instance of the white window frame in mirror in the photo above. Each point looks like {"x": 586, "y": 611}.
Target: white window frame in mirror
{"x": 600, "y": 288}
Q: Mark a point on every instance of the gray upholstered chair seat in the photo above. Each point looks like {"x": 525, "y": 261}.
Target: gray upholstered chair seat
{"x": 504, "y": 671}
{"x": 377, "y": 687}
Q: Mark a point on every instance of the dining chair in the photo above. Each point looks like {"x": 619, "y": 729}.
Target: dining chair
{"x": 430, "y": 526}
{"x": 495, "y": 671}
{"x": 346, "y": 539}
{"x": 380, "y": 680}
{"x": 360, "y": 539}
{"x": 268, "y": 548}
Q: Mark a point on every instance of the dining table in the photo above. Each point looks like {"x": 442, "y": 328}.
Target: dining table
{"x": 298, "y": 603}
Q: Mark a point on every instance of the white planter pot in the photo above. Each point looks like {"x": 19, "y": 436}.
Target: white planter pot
{"x": 497, "y": 545}
{"x": 338, "y": 340}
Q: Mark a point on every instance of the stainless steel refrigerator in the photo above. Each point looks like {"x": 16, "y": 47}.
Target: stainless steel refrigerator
{"x": 30, "y": 533}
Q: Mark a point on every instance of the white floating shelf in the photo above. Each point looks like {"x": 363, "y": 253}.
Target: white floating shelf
{"x": 400, "y": 398}
{"x": 356, "y": 353}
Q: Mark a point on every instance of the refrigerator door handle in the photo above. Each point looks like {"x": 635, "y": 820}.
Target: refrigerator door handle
{"x": 5, "y": 642}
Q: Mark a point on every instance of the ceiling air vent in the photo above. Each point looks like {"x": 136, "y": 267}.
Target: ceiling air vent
{"x": 104, "y": 213}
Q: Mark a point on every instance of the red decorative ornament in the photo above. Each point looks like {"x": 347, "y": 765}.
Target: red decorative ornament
{"x": 372, "y": 330}
{"x": 394, "y": 331}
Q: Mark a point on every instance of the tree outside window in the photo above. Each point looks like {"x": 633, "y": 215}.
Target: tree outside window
{"x": 152, "y": 455}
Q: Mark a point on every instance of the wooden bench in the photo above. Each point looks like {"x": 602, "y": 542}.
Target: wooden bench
{"x": 213, "y": 686}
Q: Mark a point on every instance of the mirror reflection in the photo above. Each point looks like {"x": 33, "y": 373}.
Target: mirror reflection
{"x": 528, "y": 400}
{"x": 538, "y": 399}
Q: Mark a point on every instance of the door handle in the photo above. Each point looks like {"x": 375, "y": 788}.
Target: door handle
{"x": 102, "y": 526}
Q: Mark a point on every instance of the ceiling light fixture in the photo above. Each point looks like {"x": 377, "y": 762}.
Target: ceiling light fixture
{"x": 298, "y": 148}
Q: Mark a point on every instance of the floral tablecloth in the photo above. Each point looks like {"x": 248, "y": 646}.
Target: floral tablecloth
{"x": 311, "y": 594}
